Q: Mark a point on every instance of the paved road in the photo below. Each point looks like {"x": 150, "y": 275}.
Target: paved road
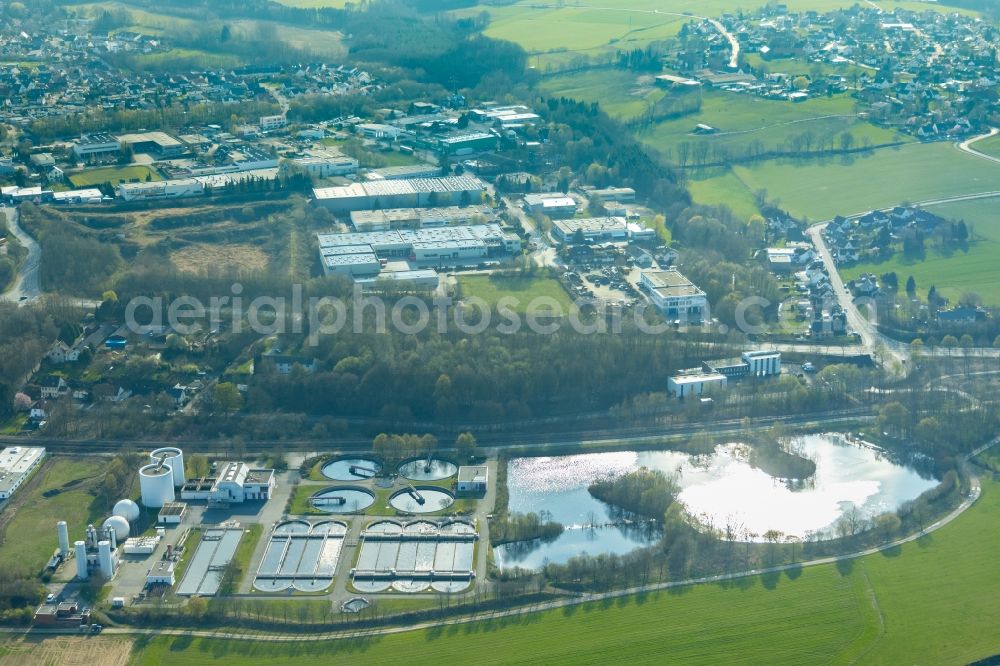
{"x": 966, "y": 146}
{"x": 734, "y": 45}
{"x": 28, "y": 285}
{"x": 974, "y": 493}
{"x": 872, "y": 340}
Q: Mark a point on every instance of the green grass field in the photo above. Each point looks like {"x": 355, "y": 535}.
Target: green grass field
{"x": 976, "y": 270}
{"x": 620, "y": 93}
{"x": 315, "y": 4}
{"x": 525, "y": 289}
{"x": 582, "y": 31}
{"x": 190, "y": 58}
{"x": 321, "y": 42}
{"x": 30, "y": 537}
{"x": 990, "y": 146}
{"x": 929, "y": 602}
{"x": 725, "y": 189}
{"x": 744, "y": 120}
{"x": 915, "y": 172}
{"x": 113, "y": 175}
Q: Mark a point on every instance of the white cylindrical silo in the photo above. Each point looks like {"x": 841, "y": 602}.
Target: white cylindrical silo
{"x": 104, "y": 558}
{"x": 91, "y": 536}
{"x": 62, "y": 532}
{"x": 81, "y": 560}
{"x": 156, "y": 485}
{"x": 173, "y": 457}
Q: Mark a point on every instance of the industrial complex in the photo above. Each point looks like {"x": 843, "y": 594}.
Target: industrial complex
{"x": 238, "y": 531}
{"x": 715, "y": 375}
{"x": 365, "y": 254}
{"x": 403, "y": 193}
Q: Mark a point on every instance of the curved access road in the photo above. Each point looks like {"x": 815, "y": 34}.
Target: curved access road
{"x": 871, "y": 338}
{"x": 28, "y": 286}
{"x": 966, "y": 146}
{"x": 975, "y": 490}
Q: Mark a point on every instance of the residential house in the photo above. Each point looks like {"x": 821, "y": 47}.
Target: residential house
{"x": 54, "y": 387}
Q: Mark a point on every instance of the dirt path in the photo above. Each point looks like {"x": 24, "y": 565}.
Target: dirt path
{"x": 66, "y": 651}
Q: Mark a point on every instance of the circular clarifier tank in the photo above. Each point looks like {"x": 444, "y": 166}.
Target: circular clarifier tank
{"x": 351, "y": 469}
{"x": 342, "y": 500}
{"x": 423, "y": 499}
{"x": 422, "y": 469}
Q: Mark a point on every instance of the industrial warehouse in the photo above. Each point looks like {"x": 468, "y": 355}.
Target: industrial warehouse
{"x": 365, "y": 254}
{"x": 16, "y": 465}
{"x": 417, "y": 218}
{"x": 403, "y": 193}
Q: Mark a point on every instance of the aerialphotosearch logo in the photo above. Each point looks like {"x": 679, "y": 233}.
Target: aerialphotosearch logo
{"x": 320, "y": 316}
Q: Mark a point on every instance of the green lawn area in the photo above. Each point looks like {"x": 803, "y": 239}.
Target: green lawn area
{"x": 30, "y": 537}
{"x": 976, "y": 270}
{"x": 725, "y": 189}
{"x": 492, "y": 288}
{"x": 189, "y": 58}
{"x": 314, "y": 4}
{"x": 797, "y": 66}
{"x": 554, "y": 36}
{"x": 113, "y": 175}
{"x": 245, "y": 551}
{"x": 620, "y": 93}
{"x": 766, "y": 124}
{"x": 990, "y": 146}
{"x": 929, "y": 602}
{"x": 821, "y": 189}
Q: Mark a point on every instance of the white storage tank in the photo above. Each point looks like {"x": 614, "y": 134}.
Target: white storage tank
{"x": 173, "y": 457}
{"x": 104, "y": 559}
{"x": 81, "y": 560}
{"x": 127, "y": 509}
{"x": 120, "y": 527}
{"x": 62, "y": 531}
{"x": 156, "y": 484}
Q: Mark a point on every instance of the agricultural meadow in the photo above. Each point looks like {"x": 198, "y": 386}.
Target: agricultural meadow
{"x": 820, "y": 189}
